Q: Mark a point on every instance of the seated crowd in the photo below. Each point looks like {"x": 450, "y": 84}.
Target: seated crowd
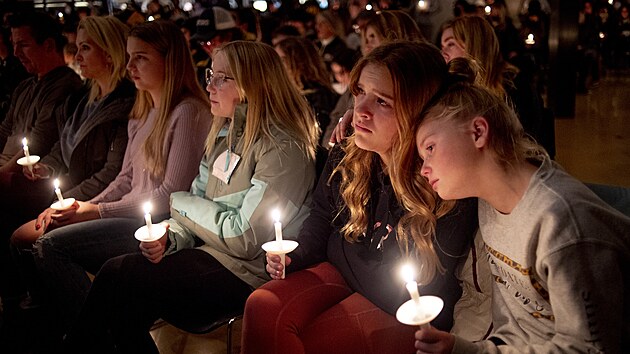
{"x": 434, "y": 165}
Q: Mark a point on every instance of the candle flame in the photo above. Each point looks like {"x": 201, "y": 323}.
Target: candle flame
{"x": 407, "y": 273}
{"x": 24, "y": 142}
{"x": 276, "y": 215}
{"x": 147, "y": 207}
{"x": 56, "y": 183}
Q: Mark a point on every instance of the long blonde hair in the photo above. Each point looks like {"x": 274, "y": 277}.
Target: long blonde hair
{"x": 110, "y": 35}
{"x": 179, "y": 82}
{"x": 272, "y": 99}
{"x": 482, "y": 45}
{"x": 417, "y": 70}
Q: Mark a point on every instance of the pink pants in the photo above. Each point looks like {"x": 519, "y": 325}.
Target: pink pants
{"x": 314, "y": 311}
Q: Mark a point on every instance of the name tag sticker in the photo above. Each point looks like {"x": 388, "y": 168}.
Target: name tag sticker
{"x": 224, "y": 165}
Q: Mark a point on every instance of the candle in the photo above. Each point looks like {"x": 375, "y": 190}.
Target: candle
{"x": 147, "y": 216}
{"x": 58, "y": 192}
{"x": 530, "y": 39}
{"x": 412, "y": 286}
{"x": 277, "y": 225}
{"x": 25, "y": 147}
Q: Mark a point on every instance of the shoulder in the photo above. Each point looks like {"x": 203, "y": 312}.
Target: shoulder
{"x": 191, "y": 106}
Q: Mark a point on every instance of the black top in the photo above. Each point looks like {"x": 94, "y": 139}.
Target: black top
{"x": 372, "y": 266}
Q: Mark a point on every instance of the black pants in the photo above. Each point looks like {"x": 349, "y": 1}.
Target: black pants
{"x": 130, "y": 293}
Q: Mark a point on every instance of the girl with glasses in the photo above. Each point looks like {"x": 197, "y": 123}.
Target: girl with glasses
{"x": 168, "y": 125}
{"x": 259, "y": 156}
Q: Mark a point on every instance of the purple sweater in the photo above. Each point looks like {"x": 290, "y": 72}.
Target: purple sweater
{"x": 184, "y": 145}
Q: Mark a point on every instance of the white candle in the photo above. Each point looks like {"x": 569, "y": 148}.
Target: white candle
{"x": 412, "y": 286}
{"x": 58, "y": 192}
{"x": 25, "y": 147}
{"x": 277, "y": 225}
{"x": 147, "y": 216}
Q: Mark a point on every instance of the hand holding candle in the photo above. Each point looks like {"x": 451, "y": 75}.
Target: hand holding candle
{"x": 149, "y": 232}
{"x": 279, "y": 246}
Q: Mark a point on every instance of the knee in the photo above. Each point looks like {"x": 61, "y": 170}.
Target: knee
{"x": 262, "y": 304}
{"x": 25, "y": 235}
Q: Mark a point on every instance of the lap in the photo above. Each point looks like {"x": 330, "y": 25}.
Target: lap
{"x": 90, "y": 243}
{"x": 357, "y": 325}
{"x": 187, "y": 288}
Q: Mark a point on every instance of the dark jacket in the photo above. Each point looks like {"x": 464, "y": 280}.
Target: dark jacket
{"x": 371, "y": 267}
{"x": 98, "y": 157}
{"x": 33, "y": 112}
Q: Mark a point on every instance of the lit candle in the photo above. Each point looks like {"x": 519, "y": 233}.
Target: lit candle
{"x": 530, "y": 39}
{"x": 422, "y": 4}
{"x": 25, "y": 147}
{"x": 487, "y": 10}
{"x": 277, "y": 225}
{"x": 147, "y": 216}
{"x": 412, "y": 286}
{"x": 58, "y": 192}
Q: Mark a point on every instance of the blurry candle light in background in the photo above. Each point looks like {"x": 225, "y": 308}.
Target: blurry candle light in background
{"x": 423, "y": 5}
{"x": 409, "y": 277}
{"x": 530, "y": 39}
{"x": 487, "y": 10}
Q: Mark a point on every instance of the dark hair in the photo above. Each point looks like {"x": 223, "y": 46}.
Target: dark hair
{"x": 346, "y": 58}
{"x": 42, "y": 27}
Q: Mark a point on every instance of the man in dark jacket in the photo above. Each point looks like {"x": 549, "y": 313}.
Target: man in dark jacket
{"x": 38, "y": 43}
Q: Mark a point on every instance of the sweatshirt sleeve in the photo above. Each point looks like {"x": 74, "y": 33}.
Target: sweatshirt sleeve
{"x": 186, "y": 140}
{"x": 237, "y": 225}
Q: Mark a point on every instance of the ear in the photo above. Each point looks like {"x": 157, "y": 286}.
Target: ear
{"x": 479, "y": 127}
{"x": 50, "y": 45}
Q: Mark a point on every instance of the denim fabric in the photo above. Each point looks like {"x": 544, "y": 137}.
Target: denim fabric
{"x": 64, "y": 255}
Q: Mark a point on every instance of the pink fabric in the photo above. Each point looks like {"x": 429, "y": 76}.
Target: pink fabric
{"x": 314, "y": 311}
{"x": 184, "y": 145}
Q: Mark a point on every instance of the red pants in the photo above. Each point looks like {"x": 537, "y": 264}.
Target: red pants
{"x": 314, "y": 311}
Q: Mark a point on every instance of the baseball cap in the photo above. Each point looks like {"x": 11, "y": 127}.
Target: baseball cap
{"x": 211, "y": 21}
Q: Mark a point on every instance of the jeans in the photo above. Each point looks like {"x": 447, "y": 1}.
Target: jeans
{"x": 64, "y": 255}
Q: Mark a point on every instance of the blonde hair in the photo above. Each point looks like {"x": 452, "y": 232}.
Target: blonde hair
{"x": 334, "y": 21}
{"x": 417, "y": 70}
{"x": 507, "y": 139}
{"x": 303, "y": 62}
{"x": 179, "y": 82}
{"x": 482, "y": 45}
{"x": 394, "y": 25}
{"x": 110, "y": 35}
{"x": 272, "y": 99}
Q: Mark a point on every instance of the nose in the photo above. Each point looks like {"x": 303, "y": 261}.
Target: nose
{"x": 424, "y": 170}
{"x": 362, "y": 107}
{"x": 210, "y": 87}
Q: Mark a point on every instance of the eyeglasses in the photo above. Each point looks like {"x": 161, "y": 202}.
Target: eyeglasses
{"x": 216, "y": 80}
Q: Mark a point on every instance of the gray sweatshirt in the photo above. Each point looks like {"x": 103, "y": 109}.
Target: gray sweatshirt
{"x": 560, "y": 266}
